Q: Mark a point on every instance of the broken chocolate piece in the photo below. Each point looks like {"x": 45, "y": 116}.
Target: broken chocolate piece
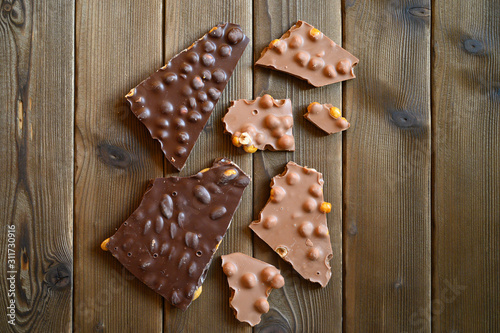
{"x": 170, "y": 239}
{"x": 293, "y": 222}
{"x": 264, "y": 123}
{"x": 327, "y": 117}
{"x": 175, "y": 102}
{"x": 306, "y": 53}
{"x": 251, "y": 282}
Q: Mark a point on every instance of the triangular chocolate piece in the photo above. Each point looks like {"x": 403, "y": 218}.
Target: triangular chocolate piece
{"x": 264, "y": 123}
{"x": 305, "y": 52}
{"x": 251, "y": 282}
{"x": 327, "y": 117}
{"x": 169, "y": 241}
{"x": 175, "y": 102}
{"x": 293, "y": 222}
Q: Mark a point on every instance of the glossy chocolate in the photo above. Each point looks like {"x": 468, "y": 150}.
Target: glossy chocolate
{"x": 305, "y": 52}
{"x": 175, "y": 102}
{"x": 293, "y": 222}
{"x": 170, "y": 239}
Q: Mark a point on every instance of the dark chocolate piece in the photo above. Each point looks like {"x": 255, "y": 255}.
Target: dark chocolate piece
{"x": 264, "y": 123}
{"x": 169, "y": 241}
{"x": 251, "y": 281}
{"x": 293, "y": 222}
{"x": 305, "y": 52}
{"x": 327, "y": 117}
{"x": 175, "y": 102}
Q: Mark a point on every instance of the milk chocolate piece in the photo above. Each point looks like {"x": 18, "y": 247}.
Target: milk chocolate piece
{"x": 305, "y": 52}
{"x": 251, "y": 282}
{"x": 327, "y": 117}
{"x": 293, "y": 222}
{"x": 175, "y": 102}
{"x": 169, "y": 241}
{"x": 264, "y": 123}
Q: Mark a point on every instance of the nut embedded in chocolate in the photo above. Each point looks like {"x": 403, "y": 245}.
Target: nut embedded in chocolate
{"x": 180, "y": 96}
{"x": 251, "y": 281}
{"x": 171, "y": 238}
{"x": 326, "y": 117}
{"x": 293, "y": 222}
{"x": 264, "y": 123}
{"x": 303, "y": 51}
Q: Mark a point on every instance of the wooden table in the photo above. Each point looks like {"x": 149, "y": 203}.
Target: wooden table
{"x": 414, "y": 183}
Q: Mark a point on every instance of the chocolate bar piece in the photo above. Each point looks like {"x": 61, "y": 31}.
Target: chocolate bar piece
{"x": 327, "y": 117}
{"x": 305, "y": 52}
{"x": 251, "y": 282}
{"x": 293, "y": 222}
{"x": 170, "y": 239}
{"x": 264, "y": 123}
{"x": 175, "y": 102}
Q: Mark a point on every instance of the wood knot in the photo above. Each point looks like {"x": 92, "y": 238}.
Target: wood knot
{"x": 473, "y": 46}
{"x": 419, "y": 11}
{"x": 58, "y": 277}
{"x": 114, "y": 156}
{"x": 7, "y": 7}
{"x": 352, "y": 230}
{"x": 403, "y": 118}
{"x": 273, "y": 322}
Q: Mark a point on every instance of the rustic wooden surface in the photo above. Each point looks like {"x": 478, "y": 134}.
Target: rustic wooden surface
{"x": 414, "y": 183}
{"x": 115, "y": 158}
{"x": 466, "y": 146}
{"x": 36, "y": 162}
{"x": 387, "y": 217}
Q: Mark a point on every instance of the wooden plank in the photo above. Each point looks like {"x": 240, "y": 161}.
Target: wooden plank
{"x": 466, "y": 116}
{"x": 300, "y": 306}
{"x": 36, "y": 173}
{"x": 387, "y": 226}
{"x": 185, "y": 22}
{"x": 119, "y": 43}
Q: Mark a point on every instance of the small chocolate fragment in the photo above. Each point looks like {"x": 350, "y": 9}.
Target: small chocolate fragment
{"x": 293, "y": 222}
{"x": 327, "y": 117}
{"x": 175, "y": 102}
{"x": 306, "y": 53}
{"x": 170, "y": 239}
{"x": 264, "y": 123}
{"x": 251, "y": 282}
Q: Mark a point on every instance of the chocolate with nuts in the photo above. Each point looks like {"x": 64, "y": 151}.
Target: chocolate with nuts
{"x": 264, "y": 123}
{"x": 305, "y": 52}
{"x": 293, "y": 222}
{"x": 251, "y": 282}
{"x": 170, "y": 239}
{"x": 175, "y": 102}
{"x": 327, "y": 117}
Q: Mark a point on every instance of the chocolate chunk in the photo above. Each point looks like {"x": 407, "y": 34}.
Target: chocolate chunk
{"x": 264, "y": 123}
{"x": 251, "y": 281}
{"x": 305, "y": 52}
{"x": 166, "y": 101}
{"x": 327, "y": 117}
{"x": 293, "y": 222}
{"x": 169, "y": 241}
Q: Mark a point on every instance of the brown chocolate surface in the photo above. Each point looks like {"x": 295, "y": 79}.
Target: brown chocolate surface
{"x": 175, "y": 102}
{"x": 264, "y": 123}
{"x": 293, "y": 222}
{"x": 305, "y": 52}
{"x": 251, "y": 282}
{"x": 327, "y": 117}
{"x": 169, "y": 240}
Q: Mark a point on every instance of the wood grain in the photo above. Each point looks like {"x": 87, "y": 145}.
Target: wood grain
{"x": 387, "y": 225}
{"x": 190, "y": 20}
{"x": 300, "y": 306}
{"x": 36, "y": 173}
{"x": 119, "y": 43}
{"x": 466, "y": 202}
